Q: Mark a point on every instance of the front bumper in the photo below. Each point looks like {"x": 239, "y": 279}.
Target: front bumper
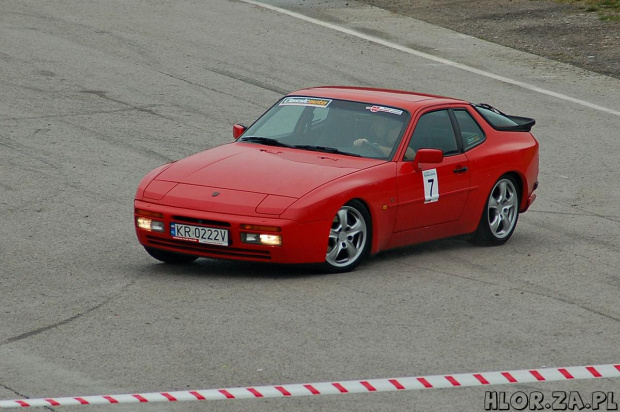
{"x": 301, "y": 242}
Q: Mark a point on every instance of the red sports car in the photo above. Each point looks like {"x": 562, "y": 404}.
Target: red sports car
{"x": 332, "y": 174}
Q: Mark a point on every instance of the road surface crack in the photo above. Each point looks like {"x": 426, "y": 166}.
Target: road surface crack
{"x": 58, "y": 324}
{"x": 569, "y": 302}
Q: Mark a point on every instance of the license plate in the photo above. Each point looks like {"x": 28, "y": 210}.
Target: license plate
{"x": 200, "y": 234}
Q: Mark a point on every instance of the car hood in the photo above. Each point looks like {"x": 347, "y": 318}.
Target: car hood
{"x": 243, "y": 175}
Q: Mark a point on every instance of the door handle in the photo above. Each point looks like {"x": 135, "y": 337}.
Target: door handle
{"x": 459, "y": 170}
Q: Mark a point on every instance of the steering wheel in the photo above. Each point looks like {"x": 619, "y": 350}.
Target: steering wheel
{"x": 375, "y": 151}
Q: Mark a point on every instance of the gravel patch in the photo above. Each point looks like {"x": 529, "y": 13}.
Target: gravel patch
{"x": 560, "y": 31}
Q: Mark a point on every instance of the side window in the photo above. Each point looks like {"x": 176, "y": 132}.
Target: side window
{"x": 471, "y": 133}
{"x": 434, "y": 131}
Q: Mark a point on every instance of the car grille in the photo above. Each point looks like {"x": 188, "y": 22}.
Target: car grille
{"x": 217, "y": 251}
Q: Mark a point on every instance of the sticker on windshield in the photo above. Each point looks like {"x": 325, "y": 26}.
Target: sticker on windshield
{"x": 431, "y": 186}
{"x": 305, "y": 101}
{"x": 376, "y": 109}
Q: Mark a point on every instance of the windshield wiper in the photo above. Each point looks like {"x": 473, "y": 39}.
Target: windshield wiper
{"x": 325, "y": 149}
{"x": 264, "y": 140}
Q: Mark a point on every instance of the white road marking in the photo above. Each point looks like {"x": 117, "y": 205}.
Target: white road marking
{"x": 433, "y": 58}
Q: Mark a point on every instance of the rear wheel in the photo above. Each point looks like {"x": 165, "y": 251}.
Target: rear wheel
{"x": 170, "y": 257}
{"x": 348, "y": 242}
{"x": 500, "y": 214}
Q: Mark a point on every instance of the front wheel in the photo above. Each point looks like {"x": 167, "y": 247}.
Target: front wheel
{"x": 500, "y": 214}
{"x": 349, "y": 238}
{"x": 170, "y": 257}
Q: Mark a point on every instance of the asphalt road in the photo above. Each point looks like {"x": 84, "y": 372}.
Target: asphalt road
{"x": 93, "y": 95}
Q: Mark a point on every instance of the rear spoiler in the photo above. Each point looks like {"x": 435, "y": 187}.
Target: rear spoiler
{"x": 522, "y": 124}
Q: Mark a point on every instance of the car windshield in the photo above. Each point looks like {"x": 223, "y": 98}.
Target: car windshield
{"x": 332, "y": 126}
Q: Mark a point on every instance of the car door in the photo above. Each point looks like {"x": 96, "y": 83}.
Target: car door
{"x": 437, "y": 193}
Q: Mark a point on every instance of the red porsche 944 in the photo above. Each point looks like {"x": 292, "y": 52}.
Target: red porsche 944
{"x": 330, "y": 175}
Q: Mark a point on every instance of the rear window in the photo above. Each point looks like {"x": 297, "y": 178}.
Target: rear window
{"x": 503, "y": 121}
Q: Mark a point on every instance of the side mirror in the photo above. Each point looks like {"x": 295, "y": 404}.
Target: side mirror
{"x": 238, "y": 130}
{"x": 427, "y": 156}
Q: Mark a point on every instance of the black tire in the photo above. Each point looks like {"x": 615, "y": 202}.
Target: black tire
{"x": 348, "y": 243}
{"x": 170, "y": 257}
{"x": 500, "y": 214}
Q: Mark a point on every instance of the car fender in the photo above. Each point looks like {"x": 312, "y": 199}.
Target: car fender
{"x": 488, "y": 167}
{"x": 375, "y": 187}
{"x": 146, "y": 180}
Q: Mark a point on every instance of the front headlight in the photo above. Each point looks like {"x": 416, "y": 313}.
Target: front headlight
{"x": 147, "y": 220}
{"x": 149, "y": 224}
{"x": 268, "y": 239}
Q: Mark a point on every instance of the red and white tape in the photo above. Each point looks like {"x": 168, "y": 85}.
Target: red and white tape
{"x": 335, "y": 388}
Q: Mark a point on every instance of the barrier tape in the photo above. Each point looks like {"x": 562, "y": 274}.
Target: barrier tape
{"x": 335, "y": 388}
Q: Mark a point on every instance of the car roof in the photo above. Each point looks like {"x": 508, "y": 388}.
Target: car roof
{"x": 399, "y": 98}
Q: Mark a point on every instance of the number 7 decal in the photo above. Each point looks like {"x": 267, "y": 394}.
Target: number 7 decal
{"x": 431, "y": 185}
